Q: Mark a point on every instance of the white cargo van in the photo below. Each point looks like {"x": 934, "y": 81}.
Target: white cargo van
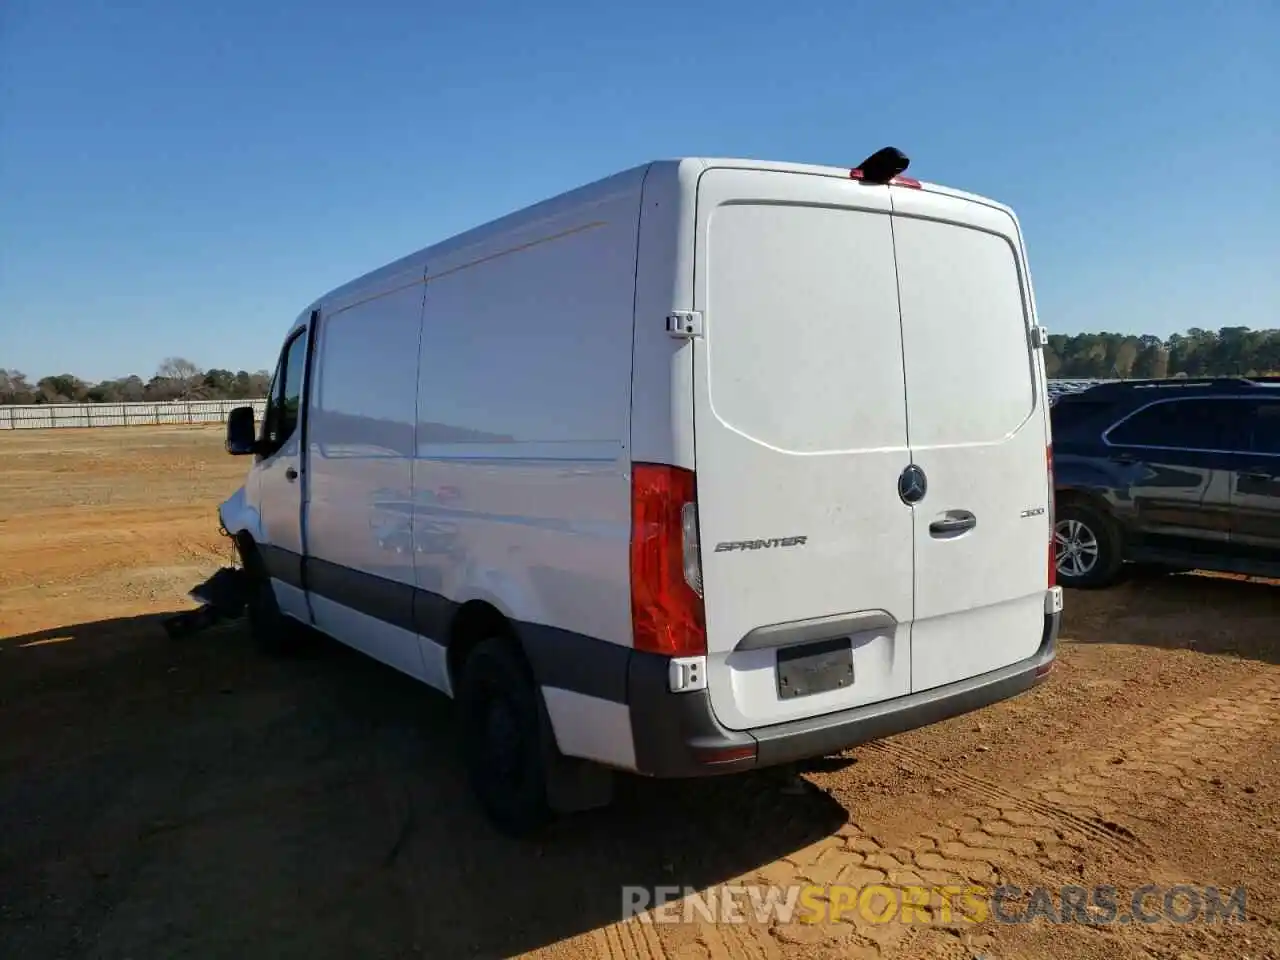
{"x": 706, "y": 466}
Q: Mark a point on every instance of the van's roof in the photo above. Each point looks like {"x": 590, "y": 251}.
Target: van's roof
{"x": 686, "y": 168}
{"x": 827, "y": 170}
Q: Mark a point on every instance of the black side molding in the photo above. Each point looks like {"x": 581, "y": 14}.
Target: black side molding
{"x": 560, "y": 658}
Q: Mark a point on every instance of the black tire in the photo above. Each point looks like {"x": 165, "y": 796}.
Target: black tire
{"x": 1100, "y": 551}
{"x": 273, "y": 633}
{"x": 504, "y": 739}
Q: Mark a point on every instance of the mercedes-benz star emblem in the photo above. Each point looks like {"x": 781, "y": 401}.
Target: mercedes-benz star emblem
{"x": 912, "y": 484}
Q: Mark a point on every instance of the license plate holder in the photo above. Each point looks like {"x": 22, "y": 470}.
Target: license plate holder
{"x": 818, "y": 667}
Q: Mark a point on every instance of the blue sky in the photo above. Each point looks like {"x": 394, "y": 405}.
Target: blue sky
{"x": 183, "y": 178}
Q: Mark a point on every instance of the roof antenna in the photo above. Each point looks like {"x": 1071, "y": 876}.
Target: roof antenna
{"x": 881, "y": 167}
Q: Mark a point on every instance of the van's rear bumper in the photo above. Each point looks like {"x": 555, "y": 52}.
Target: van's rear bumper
{"x": 677, "y": 734}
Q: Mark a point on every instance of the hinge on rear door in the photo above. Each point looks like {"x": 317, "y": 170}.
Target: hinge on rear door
{"x": 684, "y": 324}
{"x": 1039, "y": 337}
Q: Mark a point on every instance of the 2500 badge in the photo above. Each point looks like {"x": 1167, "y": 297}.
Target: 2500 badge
{"x": 727, "y": 545}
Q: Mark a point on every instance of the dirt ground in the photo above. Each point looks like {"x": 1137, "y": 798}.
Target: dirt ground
{"x": 189, "y": 798}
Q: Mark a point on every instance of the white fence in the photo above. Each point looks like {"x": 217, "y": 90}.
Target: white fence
{"x": 43, "y": 416}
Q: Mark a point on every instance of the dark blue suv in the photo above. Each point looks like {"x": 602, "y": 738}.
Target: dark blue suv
{"x": 1178, "y": 474}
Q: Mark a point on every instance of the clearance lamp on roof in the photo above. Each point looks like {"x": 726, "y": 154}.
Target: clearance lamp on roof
{"x": 885, "y": 166}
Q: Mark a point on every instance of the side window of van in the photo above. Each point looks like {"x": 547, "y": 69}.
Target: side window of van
{"x": 284, "y": 403}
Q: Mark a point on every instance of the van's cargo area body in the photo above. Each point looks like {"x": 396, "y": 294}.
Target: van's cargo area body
{"x": 708, "y": 465}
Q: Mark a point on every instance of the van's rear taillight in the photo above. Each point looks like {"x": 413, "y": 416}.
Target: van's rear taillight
{"x": 690, "y": 551}
{"x": 666, "y": 571}
{"x": 1053, "y": 564}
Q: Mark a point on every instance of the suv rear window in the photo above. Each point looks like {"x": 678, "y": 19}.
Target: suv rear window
{"x": 1266, "y": 428}
{"x": 1199, "y": 424}
{"x": 1066, "y": 414}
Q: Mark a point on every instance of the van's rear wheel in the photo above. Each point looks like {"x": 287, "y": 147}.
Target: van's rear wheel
{"x": 1087, "y": 549}
{"x": 504, "y": 739}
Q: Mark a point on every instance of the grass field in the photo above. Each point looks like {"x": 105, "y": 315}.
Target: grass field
{"x": 190, "y": 798}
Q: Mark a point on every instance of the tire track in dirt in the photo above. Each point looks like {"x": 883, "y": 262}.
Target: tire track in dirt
{"x": 1143, "y": 777}
{"x": 1070, "y": 825}
{"x": 1084, "y": 795}
{"x": 629, "y": 940}
{"x": 1048, "y": 822}
{"x": 725, "y": 942}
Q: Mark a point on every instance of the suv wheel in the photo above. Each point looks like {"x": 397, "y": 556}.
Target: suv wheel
{"x": 1086, "y": 547}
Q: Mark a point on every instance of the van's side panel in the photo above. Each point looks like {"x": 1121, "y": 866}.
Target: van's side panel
{"x": 662, "y": 368}
{"x": 360, "y": 569}
{"x": 978, "y": 429}
{"x": 521, "y": 470}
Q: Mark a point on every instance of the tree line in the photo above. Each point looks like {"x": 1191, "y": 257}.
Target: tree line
{"x": 175, "y": 379}
{"x": 1231, "y": 351}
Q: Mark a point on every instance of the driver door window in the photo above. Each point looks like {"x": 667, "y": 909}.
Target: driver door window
{"x": 284, "y": 403}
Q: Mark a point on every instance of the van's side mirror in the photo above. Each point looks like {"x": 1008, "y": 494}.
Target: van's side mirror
{"x": 241, "y": 440}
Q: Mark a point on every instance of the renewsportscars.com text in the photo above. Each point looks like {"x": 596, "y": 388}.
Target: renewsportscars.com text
{"x": 881, "y": 904}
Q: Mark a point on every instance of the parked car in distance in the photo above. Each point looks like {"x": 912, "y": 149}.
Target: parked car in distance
{"x": 1174, "y": 474}
{"x": 642, "y": 508}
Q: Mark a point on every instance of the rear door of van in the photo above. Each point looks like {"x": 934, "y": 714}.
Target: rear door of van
{"x": 800, "y": 436}
{"x": 978, "y": 426}
{"x": 870, "y": 443}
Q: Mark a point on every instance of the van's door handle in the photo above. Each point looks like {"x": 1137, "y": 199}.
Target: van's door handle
{"x": 955, "y": 523}
{"x": 291, "y": 474}
{"x": 1262, "y": 475}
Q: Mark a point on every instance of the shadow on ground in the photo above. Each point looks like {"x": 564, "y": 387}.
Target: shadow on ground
{"x": 191, "y": 798}
{"x": 1207, "y": 614}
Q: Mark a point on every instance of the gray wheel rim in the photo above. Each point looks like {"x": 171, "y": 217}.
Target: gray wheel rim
{"x": 1075, "y": 548}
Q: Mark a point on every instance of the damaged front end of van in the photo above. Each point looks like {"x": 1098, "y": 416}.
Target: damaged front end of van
{"x": 223, "y": 595}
